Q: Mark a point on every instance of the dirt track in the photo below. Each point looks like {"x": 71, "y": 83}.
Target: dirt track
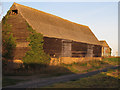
{"x": 37, "y": 83}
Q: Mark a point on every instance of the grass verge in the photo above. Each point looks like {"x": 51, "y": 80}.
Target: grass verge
{"x": 101, "y": 80}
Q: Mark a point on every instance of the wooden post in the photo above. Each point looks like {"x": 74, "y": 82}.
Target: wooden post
{"x": 66, "y": 48}
{"x": 89, "y": 50}
{"x": 102, "y": 51}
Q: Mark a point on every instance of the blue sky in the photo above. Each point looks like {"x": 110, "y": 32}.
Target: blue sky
{"x": 101, "y": 17}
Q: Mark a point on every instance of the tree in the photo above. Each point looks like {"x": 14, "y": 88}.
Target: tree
{"x": 36, "y": 54}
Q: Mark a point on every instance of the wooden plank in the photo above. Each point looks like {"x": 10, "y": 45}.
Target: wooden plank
{"x": 79, "y": 55}
{"x": 79, "y": 51}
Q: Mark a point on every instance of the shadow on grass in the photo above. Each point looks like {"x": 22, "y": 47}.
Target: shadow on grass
{"x": 7, "y": 81}
{"x": 32, "y": 69}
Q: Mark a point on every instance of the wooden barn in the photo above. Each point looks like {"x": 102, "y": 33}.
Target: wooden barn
{"x": 106, "y": 50}
{"x": 62, "y": 38}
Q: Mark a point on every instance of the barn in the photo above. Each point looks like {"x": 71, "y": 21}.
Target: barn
{"x": 62, "y": 38}
{"x": 106, "y": 50}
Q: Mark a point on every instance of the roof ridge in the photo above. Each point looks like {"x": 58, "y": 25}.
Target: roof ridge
{"x": 14, "y": 3}
{"x": 50, "y": 14}
{"x": 102, "y": 40}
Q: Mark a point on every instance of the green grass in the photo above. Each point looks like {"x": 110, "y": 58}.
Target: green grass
{"x": 85, "y": 66}
{"x": 113, "y": 73}
{"x": 7, "y": 81}
{"x": 92, "y": 65}
{"x": 96, "y": 81}
{"x": 112, "y": 61}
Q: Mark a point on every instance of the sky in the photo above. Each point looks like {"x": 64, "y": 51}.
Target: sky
{"x": 101, "y": 17}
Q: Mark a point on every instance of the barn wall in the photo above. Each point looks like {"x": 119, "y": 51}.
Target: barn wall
{"x": 97, "y": 51}
{"x": 52, "y": 46}
{"x": 106, "y": 51}
{"x": 79, "y": 49}
{"x": 90, "y": 50}
{"x": 66, "y": 48}
{"x": 57, "y": 47}
{"x": 20, "y": 32}
{"x": 85, "y": 50}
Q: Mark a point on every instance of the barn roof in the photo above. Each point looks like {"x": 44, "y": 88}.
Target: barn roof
{"x": 53, "y": 26}
{"x": 104, "y": 43}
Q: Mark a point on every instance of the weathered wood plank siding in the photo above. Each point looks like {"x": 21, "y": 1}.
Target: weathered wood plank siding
{"x": 52, "y": 46}
{"x": 19, "y": 52}
{"x": 80, "y": 48}
{"x": 97, "y": 50}
{"x": 20, "y": 32}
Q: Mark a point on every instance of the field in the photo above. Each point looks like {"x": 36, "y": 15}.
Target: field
{"x": 103, "y": 80}
{"x": 51, "y": 71}
{"x": 92, "y": 65}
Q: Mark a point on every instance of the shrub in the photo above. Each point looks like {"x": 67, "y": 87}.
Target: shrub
{"x": 8, "y": 41}
{"x": 4, "y": 19}
{"x": 36, "y": 55}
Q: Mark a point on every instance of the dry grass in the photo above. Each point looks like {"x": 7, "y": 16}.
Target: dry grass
{"x": 86, "y": 66}
{"x": 113, "y": 73}
{"x": 112, "y": 61}
{"x": 63, "y": 69}
{"x": 68, "y": 68}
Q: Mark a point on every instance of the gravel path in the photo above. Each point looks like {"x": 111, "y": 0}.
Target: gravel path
{"x": 37, "y": 83}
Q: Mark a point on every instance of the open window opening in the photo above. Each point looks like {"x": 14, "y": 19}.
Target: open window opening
{"x": 14, "y": 12}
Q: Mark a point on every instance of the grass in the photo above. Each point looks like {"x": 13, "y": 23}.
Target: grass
{"x": 92, "y": 65}
{"x": 67, "y": 68}
{"x": 7, "y": 81}
{"x": 64, "y": 69}
{"x": 113, "y": 73}
{"x": 112, "y": 61}
{"x": 101, "y": 80}
{"x": 18, "y": 74}
{"x": 85, "y": 66}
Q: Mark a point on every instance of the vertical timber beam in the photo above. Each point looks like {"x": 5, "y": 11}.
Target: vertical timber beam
{"x": 102, "y": 51}
{"x": 66, "y": 48}
{"x": 89, "y": 50}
